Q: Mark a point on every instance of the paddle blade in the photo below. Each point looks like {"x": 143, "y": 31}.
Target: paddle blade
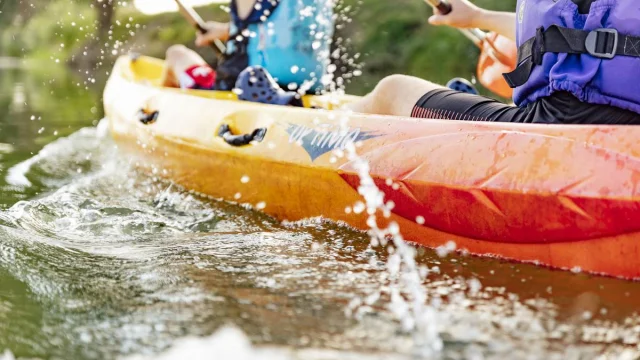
{"x": 498, "y": 56}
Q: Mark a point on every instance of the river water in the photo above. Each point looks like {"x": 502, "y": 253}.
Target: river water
{"x": 98, "y": 261}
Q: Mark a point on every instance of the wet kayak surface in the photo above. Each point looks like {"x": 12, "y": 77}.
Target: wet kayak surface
{"x": 99, "y": 261}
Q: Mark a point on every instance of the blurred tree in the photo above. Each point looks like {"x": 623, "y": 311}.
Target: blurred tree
{"x": 386, "y": 36}
{"x": 393, "y": 37}
{"x": 91, "y": 54}
{"x": 105, "y": 11}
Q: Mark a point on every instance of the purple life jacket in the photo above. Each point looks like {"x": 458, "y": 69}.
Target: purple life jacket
{"x": 592, "y": 53}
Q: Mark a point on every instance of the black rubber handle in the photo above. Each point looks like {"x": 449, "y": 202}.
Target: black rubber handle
{"x": 443, "y": 7}
{"x": 242, "y": 139}
{"x": 200, "y": 29}
{"x": 147, "y": 117}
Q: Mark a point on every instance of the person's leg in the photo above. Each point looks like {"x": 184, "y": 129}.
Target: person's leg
{"x": 179, "y": 61}
{"x": 395, "y": 95}
{"x": 401, "y": 95}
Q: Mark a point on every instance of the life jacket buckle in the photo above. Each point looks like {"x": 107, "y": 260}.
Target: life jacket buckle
{"x": 599, "y": 40}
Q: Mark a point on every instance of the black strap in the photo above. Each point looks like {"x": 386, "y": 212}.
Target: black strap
{"x": 583, "y": 6}
{"x": 261, "y": 10}
{"x": 601, "y": 43}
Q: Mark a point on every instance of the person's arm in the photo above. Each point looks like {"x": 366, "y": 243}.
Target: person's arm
{"x": 215, "y": 31}
{"x": 466, "y": 15}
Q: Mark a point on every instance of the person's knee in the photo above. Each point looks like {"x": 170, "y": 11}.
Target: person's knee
{"x": 398, "y": 94}
{"x": 175, "y": 52}
{"x": 386, "y": 91}
{"x": 390, "y": 84}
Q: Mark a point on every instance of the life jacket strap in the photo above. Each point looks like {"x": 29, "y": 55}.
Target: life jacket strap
{"x": 600, "y": 43}
{"x": 261, "y": 10}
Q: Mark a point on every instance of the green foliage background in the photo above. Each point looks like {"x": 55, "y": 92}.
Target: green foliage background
{"x": 392, "y": 36}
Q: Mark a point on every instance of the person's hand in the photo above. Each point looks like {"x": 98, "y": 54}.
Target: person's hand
{"x": 215, "y": 31}
{"x": 463, "y": 15}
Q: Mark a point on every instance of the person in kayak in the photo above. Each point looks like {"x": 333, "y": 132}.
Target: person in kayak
{"x": 289, "y": 39}
{"x": 586, "y": 71}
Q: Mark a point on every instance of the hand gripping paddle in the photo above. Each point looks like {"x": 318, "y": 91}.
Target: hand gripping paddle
{"x": 498, "y": 54}
{"x": 196, "y": 21}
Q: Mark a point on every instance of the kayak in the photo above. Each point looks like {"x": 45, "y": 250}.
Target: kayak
{"x": 564, "y": 196}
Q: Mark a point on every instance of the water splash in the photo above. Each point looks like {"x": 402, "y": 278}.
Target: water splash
{"x": 126, "y": 261}
{"x": 226, "y": 343}
{"x": 232, "y": 343}
{"x": 404, "y": 278}
{"x": 74, "y": 153}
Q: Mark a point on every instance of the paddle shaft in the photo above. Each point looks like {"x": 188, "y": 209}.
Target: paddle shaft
{"x": 196, "y": 21}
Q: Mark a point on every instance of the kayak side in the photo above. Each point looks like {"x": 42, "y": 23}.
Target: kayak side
{"x": 563, "y": 196}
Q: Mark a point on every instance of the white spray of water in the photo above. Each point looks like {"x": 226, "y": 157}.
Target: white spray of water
{"x": 231, "y": 343}
{"x": 408, "y": 298}
{"x": 404, "y": 277}
{"x": 226, "y": 343}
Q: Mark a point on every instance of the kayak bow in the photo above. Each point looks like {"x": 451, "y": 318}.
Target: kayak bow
{"x": 562, "y": 196}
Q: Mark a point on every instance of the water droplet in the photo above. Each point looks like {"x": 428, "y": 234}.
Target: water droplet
{"x": 394, "y": 229}
{"x": 245, "y": 179}
{"x": 474, "y": 286}
{"x": 445, "y": 250}
{"x": 359, "y": 207}
{"x": 603, "y": 311}
{"x": 420, "y": 220}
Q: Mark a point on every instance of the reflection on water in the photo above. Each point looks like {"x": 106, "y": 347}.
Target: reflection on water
{"x": 100, "y": 261}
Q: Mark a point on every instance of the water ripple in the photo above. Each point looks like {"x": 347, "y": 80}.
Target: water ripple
{"x": 108, "y": 262}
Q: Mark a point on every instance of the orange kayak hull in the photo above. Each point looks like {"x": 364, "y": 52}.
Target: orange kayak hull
{"x": 561, "y": 196}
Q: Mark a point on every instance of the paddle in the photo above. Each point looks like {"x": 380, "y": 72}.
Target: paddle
{"x": 194, "y": 19}
{"x": 498, "y": 54}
